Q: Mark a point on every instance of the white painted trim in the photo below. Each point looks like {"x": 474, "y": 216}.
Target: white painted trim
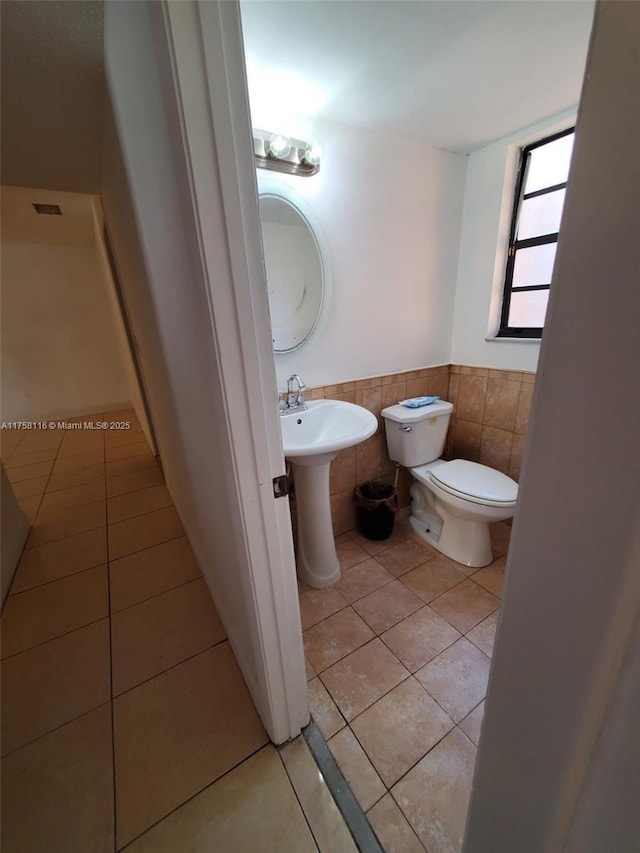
{"x": 207, "y": 70}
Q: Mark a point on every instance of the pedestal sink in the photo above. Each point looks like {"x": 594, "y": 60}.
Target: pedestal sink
{"x": 310, "y": 440}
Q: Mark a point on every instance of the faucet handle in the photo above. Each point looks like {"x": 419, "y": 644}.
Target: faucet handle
{"x": 282, "y": 403}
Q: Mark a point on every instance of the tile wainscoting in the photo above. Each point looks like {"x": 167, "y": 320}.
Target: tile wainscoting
{"x": 488, "y": 425}
{"x": 490, "y": 417}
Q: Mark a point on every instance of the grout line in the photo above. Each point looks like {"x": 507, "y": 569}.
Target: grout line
{"x": 137, "y": 472}
{"x": 55, "y": 580}
{"x": 384, "y": 630}
{"x": 106, "y": 527}
{"x": 129, "y": 444}
{"x": 199, "y": 577}
{"x": 137, "y": 514}
{"x": 148, "y": 512}
{"x": 56, "y": 728}
{"x": 50, "y": 514}
{"x": 406, "y": 817}
{"x": 105, "y": 562}
{"x": 296, "y": 795}
{"x": 386, "y": 693}
{"x": 149, "y": 547}
{"x": 409, "y": 769}
{"x": 35, "y": 517}
{"x": 29, "y": 464}
{"x": 54, "y": 491}
{"x": 113, "y": 723}
{"x": 430, "y": 659}
{"x": 64, "y": 634}
{"x": 60, "y": 538}
{"x": 194, "y": 795}
{"x": 102, "y": 563}
{"x": 146, "y": 467}
{"x": 44, "y": 491}
{"x": 406, "y": 669}
{"x": 79, "y": 467}
{"x": 146, "y": 547}
{"x": 169, "y": 668}
{"x": 424, "y": 603}
{"x": 136, "y": 488}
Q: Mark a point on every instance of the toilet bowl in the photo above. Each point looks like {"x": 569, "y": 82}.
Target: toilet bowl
{"x": 452, "y": 503}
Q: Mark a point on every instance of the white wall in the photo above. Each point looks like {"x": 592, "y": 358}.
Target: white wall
{"x": 143, "y": 212}
{"x": 175, "y": 310}
{"x": 124, "y": 343}
{"x": 488, "y": 205}
{"x": 564, "y": 673}
{"x": 61, "y": 355}
{"x": 389, "y": 210}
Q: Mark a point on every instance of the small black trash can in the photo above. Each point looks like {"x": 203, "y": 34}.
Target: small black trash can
{"x": 377, "y": 504}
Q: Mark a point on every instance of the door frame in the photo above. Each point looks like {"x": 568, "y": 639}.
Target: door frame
{"x": 201, "y": 57}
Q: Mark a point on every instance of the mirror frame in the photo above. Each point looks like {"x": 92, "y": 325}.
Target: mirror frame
{"x": 271, "y": 187}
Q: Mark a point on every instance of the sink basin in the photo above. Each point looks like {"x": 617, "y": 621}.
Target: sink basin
{"x": 310, "y": 440}
{"x": 327, "y": 427}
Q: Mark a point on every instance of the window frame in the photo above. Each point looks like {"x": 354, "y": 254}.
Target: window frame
{"x": 525, "y": 332}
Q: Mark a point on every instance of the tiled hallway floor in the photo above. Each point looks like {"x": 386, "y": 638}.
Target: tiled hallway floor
{"x": 125, "y": 719}
{"x": 126, "y": 722}
{"x": 398, "y": 655}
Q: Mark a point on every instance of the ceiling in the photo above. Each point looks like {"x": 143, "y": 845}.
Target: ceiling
{"x": 455, "y": 74}
{"x": 52, "y": 94}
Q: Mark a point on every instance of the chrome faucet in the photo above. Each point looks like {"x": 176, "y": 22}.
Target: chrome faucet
{"x": 295, "y": 399}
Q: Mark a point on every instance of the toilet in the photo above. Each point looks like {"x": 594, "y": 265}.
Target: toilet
{"x": 452, "y": 503}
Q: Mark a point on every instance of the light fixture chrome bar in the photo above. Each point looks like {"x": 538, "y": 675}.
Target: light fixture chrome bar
{"x": 292, "y": 161}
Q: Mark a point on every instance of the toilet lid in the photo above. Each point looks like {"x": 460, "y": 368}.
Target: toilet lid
{"x": 476, "y": 481}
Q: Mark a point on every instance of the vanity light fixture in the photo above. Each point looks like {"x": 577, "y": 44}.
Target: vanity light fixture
{"x": 282, "y": 154}
{"x": 279, "y": 147}
{"x": 313, "y": 154}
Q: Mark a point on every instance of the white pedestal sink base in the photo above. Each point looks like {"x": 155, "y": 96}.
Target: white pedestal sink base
{"x": 311, "y": 438}
{"x": 318, "y": 564}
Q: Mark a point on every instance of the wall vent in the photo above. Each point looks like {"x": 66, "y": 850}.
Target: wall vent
{"x": 48, "y": 209}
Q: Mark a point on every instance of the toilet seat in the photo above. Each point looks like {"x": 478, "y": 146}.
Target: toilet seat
{"x": 472, "y": 482}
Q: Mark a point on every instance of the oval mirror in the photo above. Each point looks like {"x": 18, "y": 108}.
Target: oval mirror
{"x": 295, "y": 273}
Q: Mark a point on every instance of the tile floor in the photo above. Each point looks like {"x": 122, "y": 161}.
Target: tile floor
{"x": 108, "y": 627}
{"x": 398, "y": 655}
{"x": 125, "y": 720}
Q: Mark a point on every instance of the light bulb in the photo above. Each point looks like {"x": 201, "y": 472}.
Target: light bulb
{"x": 279, "y": 146}
{"x": 313, "y": 154}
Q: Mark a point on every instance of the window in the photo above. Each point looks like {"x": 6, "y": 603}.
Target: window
{"x": 540, "y": 190}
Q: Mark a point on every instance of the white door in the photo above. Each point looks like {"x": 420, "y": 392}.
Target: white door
{"x": 180, "y": 174}
{"x": 209, "y": 77}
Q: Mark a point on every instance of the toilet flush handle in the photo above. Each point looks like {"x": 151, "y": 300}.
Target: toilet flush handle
{"x": 406, "y": 428}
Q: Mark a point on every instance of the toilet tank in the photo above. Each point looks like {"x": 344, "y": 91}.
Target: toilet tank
{"x": 416, "y": 436}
